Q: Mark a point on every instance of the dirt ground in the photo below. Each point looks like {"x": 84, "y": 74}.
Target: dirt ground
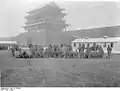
{"x": 60, "y": 72}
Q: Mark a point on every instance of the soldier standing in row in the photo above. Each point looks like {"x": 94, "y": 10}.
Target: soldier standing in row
{"x": 13, "y": 51}
{"x": 109, "y": 50}
{"x": 88, "y": 51}
{"x": 82, "y": 51}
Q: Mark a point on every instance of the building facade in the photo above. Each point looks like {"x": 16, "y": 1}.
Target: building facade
{"x": 48, "y": 20}
{"x": 110, "y": 31}
{"x": 47, "y": 25}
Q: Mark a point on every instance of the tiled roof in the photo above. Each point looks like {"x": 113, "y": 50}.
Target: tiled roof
{"x": 8, "y": 42}
{"x": 99, "y": 40}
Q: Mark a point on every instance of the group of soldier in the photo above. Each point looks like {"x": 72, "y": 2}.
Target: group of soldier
{"x": 3, "y": 47}
{"x": 90, "y": 51}
{"x": 94, "y": 51}
{"x": 61, "y": 51}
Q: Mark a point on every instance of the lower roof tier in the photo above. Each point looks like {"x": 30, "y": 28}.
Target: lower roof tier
{"x": 47, "y": 14}
{"x": 47, "y": 20}
{"x": 46, "y": 24}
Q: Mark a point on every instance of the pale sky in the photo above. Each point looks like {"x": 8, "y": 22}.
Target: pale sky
{"x": 80, "y": 14}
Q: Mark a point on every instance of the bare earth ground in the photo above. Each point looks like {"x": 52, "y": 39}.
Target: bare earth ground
{"x": 60, "y": 72}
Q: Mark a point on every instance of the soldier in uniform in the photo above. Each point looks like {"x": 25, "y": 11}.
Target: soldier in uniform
{"x": 87, "y": 52}
{"x": 109, "y": 49}
{"x": 82, "y": 51}
{"x": 79, "y": 50}
{"x": 13, "y": 51}
{"x": 50, "y": 51}
{"x": 101, "y": 51}
{"x": 93, "y": 48}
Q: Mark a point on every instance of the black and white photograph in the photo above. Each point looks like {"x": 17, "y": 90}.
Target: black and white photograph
{"x": 59, "y": 43}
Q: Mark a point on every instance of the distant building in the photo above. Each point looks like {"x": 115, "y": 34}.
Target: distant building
{"x": 47, "y": 25}
{"x": 110, "y": 31}
{"x": 67, "y": 36}
{"x": 5, "y": 45}
{"x": 48, "y": 20}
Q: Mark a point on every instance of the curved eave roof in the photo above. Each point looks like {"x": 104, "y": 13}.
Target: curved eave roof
{"x": 33, "y": 24}
{"x": 52, "y": 4}
{"x": 43, "y": 23}
{"x": 39, "y": 13}
{"x": 46, "y": 19}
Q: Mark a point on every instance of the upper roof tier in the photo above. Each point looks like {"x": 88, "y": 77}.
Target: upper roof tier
{"x": 49, "y": 14}
{"x": 50, "y": 9}
{"x": 45, "y": 19}
{"x": 46, "y": 7}
{"x": 46, "y": 14}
